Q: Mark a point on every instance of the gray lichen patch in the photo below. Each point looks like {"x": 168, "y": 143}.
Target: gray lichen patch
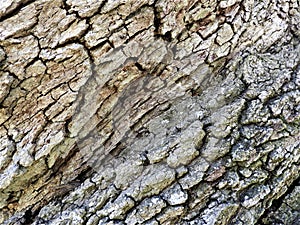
{"x": 175, "y": 195}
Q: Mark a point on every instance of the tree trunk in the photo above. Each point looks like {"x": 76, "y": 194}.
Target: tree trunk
{"x": 149, "y": 112}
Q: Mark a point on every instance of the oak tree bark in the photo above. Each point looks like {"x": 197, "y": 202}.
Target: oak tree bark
{"x": 149, "y": 112}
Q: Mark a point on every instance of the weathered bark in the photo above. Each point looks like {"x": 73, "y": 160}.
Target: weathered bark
{"x": 152, "y": 112}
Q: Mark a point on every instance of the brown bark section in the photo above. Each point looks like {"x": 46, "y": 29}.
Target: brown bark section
{"x": 149, "y": 112}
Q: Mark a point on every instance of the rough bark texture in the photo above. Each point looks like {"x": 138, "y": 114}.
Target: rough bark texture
{"x": 149, "y": 112}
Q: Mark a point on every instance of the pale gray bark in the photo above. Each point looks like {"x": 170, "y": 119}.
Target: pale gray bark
{"x": 149, "y": 112}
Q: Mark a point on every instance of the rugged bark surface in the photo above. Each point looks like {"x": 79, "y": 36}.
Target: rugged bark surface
{"x": 152, "y": 112}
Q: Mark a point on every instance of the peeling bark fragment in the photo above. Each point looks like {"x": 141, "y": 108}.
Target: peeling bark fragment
{"x": 17, "y": 62}
{"x": 24, "y": 20}
{"x": 154, "y": 181}
{"x": 53, "y": 21}
{"x": 143, "y": 20}
{"x": 73, "y": 32}
{"x": 101, "y": 26}
{"x": 117, "y": 209}
{"x": 225, "y": 34}
{"x": 170, "y": 215}
{"x": 8, "y": 6}
{"x": 146, "y": 210}
{"x": 5, "y": 82}
{"x": 195, "y": 175}
{"x": 84, "y": 8}
{"x": 186, "y": 152}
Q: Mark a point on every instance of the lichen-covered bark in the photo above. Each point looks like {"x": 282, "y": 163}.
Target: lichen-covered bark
{"x": 149, "y": 112}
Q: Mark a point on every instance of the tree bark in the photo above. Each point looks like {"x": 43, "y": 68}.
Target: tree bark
{"x": 149, "y": 112}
